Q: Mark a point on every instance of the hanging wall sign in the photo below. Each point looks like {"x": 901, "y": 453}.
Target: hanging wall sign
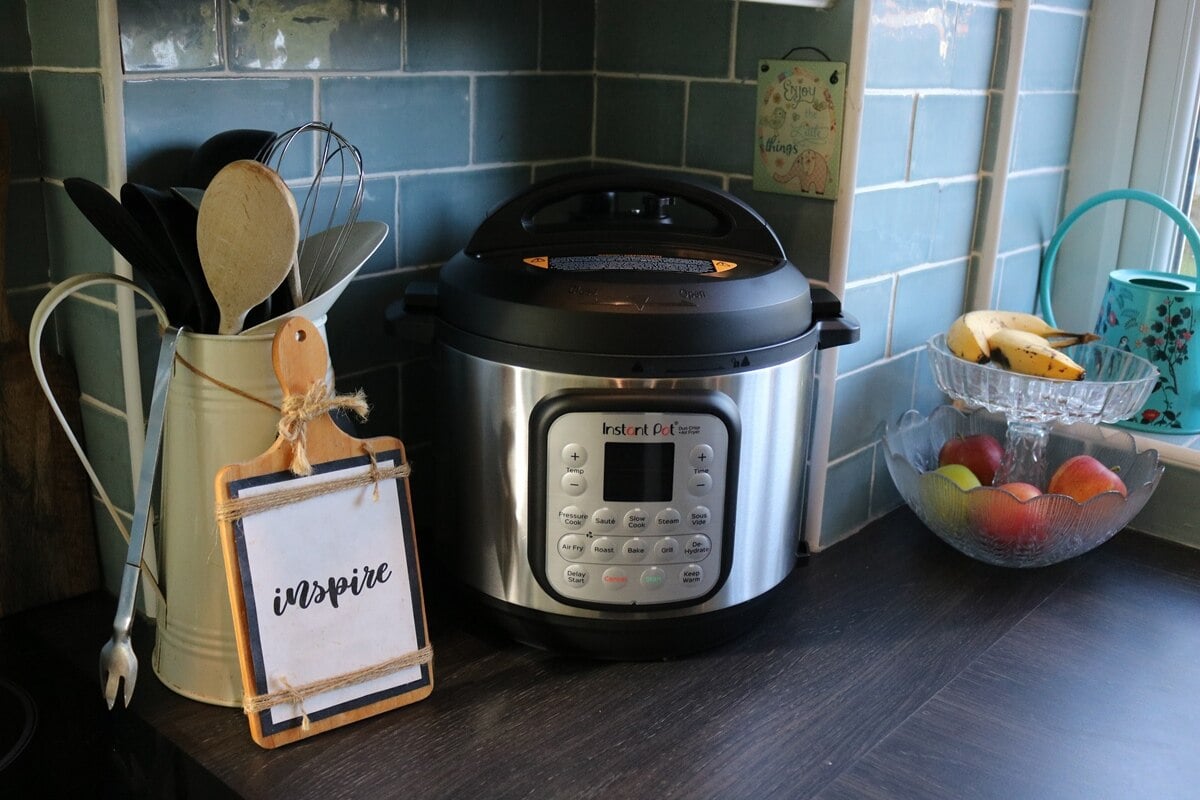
{"x": 798, "y": 129}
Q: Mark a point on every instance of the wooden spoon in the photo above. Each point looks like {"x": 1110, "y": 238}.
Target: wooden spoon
{"x": 246, "y": 232}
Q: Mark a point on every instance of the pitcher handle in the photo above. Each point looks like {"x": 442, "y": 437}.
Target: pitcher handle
{"x": 1177, "y": 216}
{"x": 41, "y": 315}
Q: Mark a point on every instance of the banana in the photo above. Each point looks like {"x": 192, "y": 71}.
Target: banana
{"x": 1031, "y": 354}
{"x": 968, "y": 337}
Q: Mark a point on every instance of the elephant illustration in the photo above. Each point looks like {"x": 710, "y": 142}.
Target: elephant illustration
{"x": 811, "y": 169}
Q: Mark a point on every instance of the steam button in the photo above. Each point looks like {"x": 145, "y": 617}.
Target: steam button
{"x": 574, "y": 455}
{"x": 667, "y": 519}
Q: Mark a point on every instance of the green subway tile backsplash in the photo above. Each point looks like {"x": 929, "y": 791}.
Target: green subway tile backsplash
{"x": 69, "y": 117}
{"x": 568, "y": 35}
{"x": 641, "y": 120}
{"x": 766, "y": 30}
{"x": 441, "y": 210}
{"x": 91, "y": 340}
{"x": 532, "y": 117}
{"x": 474, "y": 35}
{"x": 665, "y": 37}
{"x": 26, "y": 253}
{"x": 64, "y": 34}
{"x": 15, "y": 48}
{"x": 720, "y": 129}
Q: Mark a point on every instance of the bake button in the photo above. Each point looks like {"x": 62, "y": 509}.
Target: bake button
{"x": 572, "y": 517}
{"x": 633, "y": 549}
{"x": 574, "y": 455}
{"x": 576, "y": 576}
{"x": 701, "y": 456}
{"x": 653, "y": 578}
{"x": 604, "y": 519}
{"x": 574, "y": 484}
{"x": 667, "y": 520}
{"x": 691, "y": 575}
{"x": 573, "y": 546}
{"x": 636, "y": 519}
{"x": 666, "y": 549}
{"x": 615, "y": 578}
{"x": 699, "y": 517}
{"x": 699, "y": 484}
{"x": 697, "y": 547}
{"x": 604, "y": 548}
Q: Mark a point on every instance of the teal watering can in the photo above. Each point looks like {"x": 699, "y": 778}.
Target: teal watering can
{"x": 1151, "y": 314}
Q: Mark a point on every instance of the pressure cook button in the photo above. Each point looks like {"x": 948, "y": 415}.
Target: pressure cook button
{"x": 701, "y": 456}
{"x": 699, "y": 517}
{"x": 604, "y": 548}
{"x": 572, "y": 517}
{"x": 697, "y": 547}
{"x": 604, "y": 519}
{"x": 615, "y": 578}
{"x": 573, "y": 546}
{"x": 699, "y": 484}
{"x": 667, "y": 520}
{"x": 576, "y": 576}
{"x": 666, "y": 549}
{"x": 636, "y": 519}
{"x": 574, "y": 455}
{"x": 653, "y": 578}
{"x": 633, "y": 549}
{"x": 574, "y": 484}
{"x": 691, "y": 575}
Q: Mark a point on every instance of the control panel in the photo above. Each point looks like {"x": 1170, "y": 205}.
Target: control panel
{"x": 634, "y": 506}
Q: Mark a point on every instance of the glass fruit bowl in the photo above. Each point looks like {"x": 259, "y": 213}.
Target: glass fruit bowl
{"x": 1116, "y": 386}
{"x": 991, "y": 525}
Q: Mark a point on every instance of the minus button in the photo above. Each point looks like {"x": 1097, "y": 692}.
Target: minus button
{"x": 574, "y": 484}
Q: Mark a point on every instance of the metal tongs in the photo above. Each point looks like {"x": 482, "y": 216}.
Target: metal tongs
{"x": 117, "y": 659}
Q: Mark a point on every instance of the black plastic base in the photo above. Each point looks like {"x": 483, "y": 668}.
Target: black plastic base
{"x": 625, "y": 639}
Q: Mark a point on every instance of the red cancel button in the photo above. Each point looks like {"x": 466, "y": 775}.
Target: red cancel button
{"x": 615, "y": 578}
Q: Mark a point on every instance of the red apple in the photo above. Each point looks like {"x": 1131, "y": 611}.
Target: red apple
{"x": 1009, "y": 520}
{"x": 1083, "y": 477}
{"x": 978, "y": 452}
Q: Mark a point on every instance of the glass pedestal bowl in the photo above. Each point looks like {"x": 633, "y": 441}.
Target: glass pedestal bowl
{"x": 991, "y": 525}
{"x": 1116, "y": 386}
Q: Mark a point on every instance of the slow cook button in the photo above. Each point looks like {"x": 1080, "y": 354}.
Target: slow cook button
{"x": 576, "y": 576}
{"x": 572, "y": 518}
{"x": 653, "y": 578}
{"x": 697, "y": 547}
{"x": 615, "y": 578}
{"x": 573, "y": 546}
{"x": 574, "y": 484}
{"x": 636, "y": 519}
{"x": 604, "y": 548}
{"x": 691, "y": 575}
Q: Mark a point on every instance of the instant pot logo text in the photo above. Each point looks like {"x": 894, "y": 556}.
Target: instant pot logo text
{"x": 663, "y": 429}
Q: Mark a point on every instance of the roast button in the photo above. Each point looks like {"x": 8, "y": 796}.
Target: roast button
{"x": 604, "y": 549}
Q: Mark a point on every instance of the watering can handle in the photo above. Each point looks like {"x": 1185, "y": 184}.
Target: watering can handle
{"x": 1177, "y": 216}
{"x": 41, "y": 315}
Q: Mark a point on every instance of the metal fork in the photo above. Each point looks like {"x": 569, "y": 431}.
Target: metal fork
{"x": 117, "y": 659}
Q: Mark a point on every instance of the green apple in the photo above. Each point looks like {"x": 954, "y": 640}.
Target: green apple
{"x": 960, "y": 474}
{"x": 944, "y": 504}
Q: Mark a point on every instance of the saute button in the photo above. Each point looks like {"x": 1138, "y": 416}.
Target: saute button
{"x": 636, "y": 519}
{"x": 604, "y": 548}
{"x": 576, "y": 576}
{"x": 604, "y": 519}
{"x": 699, "y": 517}
{"x": 666, "y": 549}
{"x": 653, "y": 578}
{"x": 574, "y": 484}
{"x": 697, "y": 547}
{"x": 572, "y": 517}
{"x": 573, "y": 546}
{"x": 574, "y": 455}
{"x": 691, "y": 575}
{"x": 701, "y": 456}
{"x": 634, "y": 549}
{"x": 615, "y": 578}
{"x": 699, "y": 484}
{"x": 667, "y": 520}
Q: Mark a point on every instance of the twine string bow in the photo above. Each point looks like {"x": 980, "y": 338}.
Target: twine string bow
{"x": 299, "y": 410}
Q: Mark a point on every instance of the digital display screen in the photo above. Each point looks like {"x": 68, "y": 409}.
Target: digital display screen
{"x": 635, "y": 472}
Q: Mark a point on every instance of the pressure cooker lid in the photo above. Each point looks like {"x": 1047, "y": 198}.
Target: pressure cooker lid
{"x": 626, "y": 262}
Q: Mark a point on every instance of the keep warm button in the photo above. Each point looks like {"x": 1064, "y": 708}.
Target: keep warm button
{"x": 691, "y": 575}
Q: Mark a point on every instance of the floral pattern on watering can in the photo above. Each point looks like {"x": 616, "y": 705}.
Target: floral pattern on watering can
{"x": 1150, "y": 314}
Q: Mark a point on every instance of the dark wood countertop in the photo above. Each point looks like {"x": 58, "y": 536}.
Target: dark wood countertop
{"x": 890, "y": 667}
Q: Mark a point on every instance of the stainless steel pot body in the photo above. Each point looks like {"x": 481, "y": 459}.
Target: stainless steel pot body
{"x": 484, "y": 474}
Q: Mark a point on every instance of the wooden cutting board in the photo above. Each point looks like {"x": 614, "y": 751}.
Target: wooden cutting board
{"x": 47, "y": 537}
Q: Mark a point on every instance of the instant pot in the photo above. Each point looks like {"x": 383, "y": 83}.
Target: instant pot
{"x": 626, "y": 368}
